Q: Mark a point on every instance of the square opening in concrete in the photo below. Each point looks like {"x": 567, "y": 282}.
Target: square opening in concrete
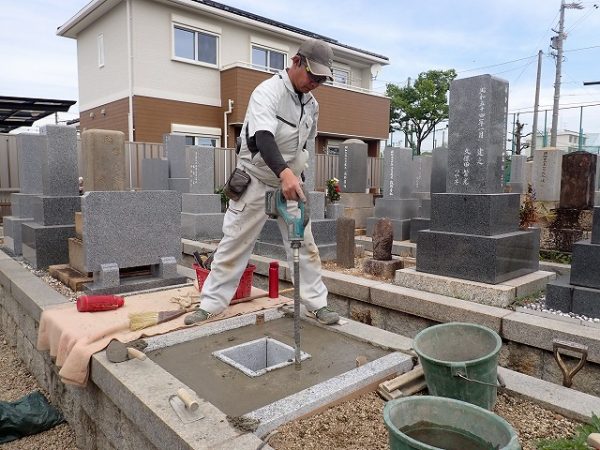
{"x": 255, "y": 358}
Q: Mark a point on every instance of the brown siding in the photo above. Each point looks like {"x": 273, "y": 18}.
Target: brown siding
{"x": 113, "y": 118}
{"x": 153, "y": 117}
{"x": 351, "y": 113}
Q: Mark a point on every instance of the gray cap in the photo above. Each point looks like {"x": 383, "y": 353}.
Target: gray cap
{"x": 319, "y": 57}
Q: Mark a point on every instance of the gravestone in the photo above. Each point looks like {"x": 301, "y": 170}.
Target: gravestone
{"x": 352, "y": 166}
{"x": 579, "y": 292}
{"x": 547, "y": 168}
{"x": 155, "y": 175}
{"x": 382, "y": 263}
{"x": 474, "y": 232}
{"x": 45, "y": 239}
{"x": 439, "y": 169}
{"x": 397, "y": 203}
{"x": 422, "y": 192}
{"x": 578, "y": 180}
{"x": 201, "y": 216}
{"x": 518, "y": 178}
{"x": 178, "y": 164}
{"x": 105, "y": 160}
{"x": 31, "y": 149}
{"x": 144, "y": 230}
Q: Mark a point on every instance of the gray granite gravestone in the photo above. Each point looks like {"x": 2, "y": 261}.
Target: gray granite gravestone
{"x": 547, "y": 169}
{"x": 144, "y": 230}
{"x": 345, "y": 242}
{"x": 271, "y": 244}
{"x": 352, "y": 166}
{"x": 580, "y": 293}
{"x": 201, "y": 216}
{"x": 155, "y": 175}
{"x": 45, "y": 240}
{"x": 178, "y": 164}
{"x": 105, "y": 160}
{"x": 518, "y": 181}
{"x": 439, "y": 169}
{"x": 474, "y": 232}
{"x": 31, "y": 148}
{"x": 397, "y": 203}
{"x": 422, "y": 192}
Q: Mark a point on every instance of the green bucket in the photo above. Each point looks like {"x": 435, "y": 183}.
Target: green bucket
{"x": 431, "y": 423}
{"x": 460, "y": 360}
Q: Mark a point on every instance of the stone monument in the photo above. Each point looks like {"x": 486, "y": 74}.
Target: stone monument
{"x": 45, "y": 239}
{"x": 474, "y": 232}
{"x": 105, "y": 160}
{"x": 547, "y": 168}
{"x": 580, "y": 292}
{"x": 422, "y": 192}
{"x": 576, "y": 201}
{"x": 352, "y": 173}
{"x": 31, "y": 149}
{"x": 518, "y": 181}
{"x": 382, "y": 263}
{"x": 397, "y": 203}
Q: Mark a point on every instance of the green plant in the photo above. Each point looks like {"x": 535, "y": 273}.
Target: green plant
{"x": 527, "y": 299}
{"x": 576, "y": 442}
{"x": 224, "y": 198}
{"x": 555, "y": 256}
{"x": 333, "y": 189}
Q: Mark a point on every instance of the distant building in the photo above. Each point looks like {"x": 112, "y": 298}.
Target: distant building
{"x": 566, "y": 140}
{"x": 149, "y": 67}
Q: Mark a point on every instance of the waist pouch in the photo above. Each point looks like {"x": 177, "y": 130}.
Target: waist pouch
{"x": 236, "y": 184}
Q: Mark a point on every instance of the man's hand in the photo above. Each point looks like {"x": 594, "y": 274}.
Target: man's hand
{"x": 290, "y": 186}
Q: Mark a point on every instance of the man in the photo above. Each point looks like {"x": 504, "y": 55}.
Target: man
{"x": 281, "y": 121}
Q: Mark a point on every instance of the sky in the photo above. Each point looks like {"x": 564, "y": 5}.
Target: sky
{"x": 474, "y": 37}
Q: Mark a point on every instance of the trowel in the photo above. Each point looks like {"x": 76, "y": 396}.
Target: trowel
{"x": 185, "y": 406}
{"x": 117, "y": 352}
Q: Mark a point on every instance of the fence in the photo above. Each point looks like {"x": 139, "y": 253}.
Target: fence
{"x": 225, "y": 162}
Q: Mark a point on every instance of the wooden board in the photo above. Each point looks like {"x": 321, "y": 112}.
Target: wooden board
{"x": 69, "y": 276}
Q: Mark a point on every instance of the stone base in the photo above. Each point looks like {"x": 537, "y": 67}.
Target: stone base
{"x": 133, "y": 284}
{"x": 486, "y": 259}
{"x": 12, "y": 234}
{"x": 585, "y": 270}
{"x": 500, "y": 295}
{"x": 200, "y": 203}
{"x": 334, "y": 211}
{"x": 396, "y": 208}
{"x": 181, "y": 185}
{"x": 417, "y": 224}
{"x": 44, "y": 246}
{"x": 21, "y": 205}
{"x": 199, "y": 227}
{"x": 49, "y": 210}
{"x": 385, "y": 269}
{"x": 566, "y": 297}
{"x": 327, "y": 252}
{"x": 401, "y": 228}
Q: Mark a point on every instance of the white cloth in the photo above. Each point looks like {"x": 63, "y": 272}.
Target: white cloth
{"x": 242, "y": 225}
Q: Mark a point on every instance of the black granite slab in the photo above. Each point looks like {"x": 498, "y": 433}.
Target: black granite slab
{"x": 596, "y": 226}
{"x": 566, "y": 297}
{"x": 417, "y": 224}
{"x": 487, "y": 259}
{"x": 44, "y": 246}
{"x": 585, "y": 266}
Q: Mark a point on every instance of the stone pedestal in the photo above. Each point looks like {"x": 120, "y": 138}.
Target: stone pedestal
{"x": 385, "y": 269}
{"x": 201, "y": 216}
{"x": 581, "y": 293}
{"x": 334, "y": 210}
{"x": 399, "y": 211}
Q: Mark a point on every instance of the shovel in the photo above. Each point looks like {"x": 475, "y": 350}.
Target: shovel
{"x": 185, "y": 406}
{"x": 117, "y": 352}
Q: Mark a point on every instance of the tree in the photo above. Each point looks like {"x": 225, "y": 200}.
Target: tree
{"x": 518, "y": 137}
{"x": 416, "y": 110}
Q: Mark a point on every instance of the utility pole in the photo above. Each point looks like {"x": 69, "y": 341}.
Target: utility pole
{"x": 557, "y": 44}
{"x": 536, "y": 104}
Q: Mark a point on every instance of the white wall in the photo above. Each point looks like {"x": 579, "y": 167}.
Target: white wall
{"x": 101, "y": 85}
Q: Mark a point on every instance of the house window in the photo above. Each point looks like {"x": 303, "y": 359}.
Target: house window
{"x": 203, "y": 141}
{"x": 267, "y": 59}
{"x": 100, "y": 50}
{"x": 195, "y": 45}
{"x": 340, "y": 76}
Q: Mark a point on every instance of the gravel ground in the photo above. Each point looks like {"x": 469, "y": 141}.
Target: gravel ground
{"x": 355, "y": 424}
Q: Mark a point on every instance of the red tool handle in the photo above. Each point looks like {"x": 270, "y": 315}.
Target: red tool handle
{"x": 93, "y": 303}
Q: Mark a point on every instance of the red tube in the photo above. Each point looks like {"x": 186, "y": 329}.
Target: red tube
{"x": 274, "y": 279}
{"x": 93, "y": 303}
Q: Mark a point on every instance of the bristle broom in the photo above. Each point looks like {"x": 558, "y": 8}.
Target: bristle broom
{"x": 139, "y": 321}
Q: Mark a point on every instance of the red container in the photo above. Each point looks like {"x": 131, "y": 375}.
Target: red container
{"x": 93, "y": 303}
{"x": 274, "y": 279}
{"x": 243, "y": 289}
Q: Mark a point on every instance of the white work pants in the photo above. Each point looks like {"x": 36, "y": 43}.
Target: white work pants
{"x": 242, "y": 225}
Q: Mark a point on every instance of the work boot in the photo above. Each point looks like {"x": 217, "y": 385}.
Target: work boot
{"x": 198, "y": 316}
{"x": 326, "y": 316}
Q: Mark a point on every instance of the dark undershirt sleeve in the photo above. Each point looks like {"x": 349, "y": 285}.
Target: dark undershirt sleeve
{"x": 265, "y": 142}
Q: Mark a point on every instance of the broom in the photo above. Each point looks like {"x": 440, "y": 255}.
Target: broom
{"x": 139, "y": 321}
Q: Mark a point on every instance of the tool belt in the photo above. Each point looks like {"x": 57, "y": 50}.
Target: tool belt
{"x": 237, "y": 184}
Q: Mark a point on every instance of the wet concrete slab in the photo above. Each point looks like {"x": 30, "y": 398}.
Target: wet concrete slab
{"x": 235, "y": 393}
